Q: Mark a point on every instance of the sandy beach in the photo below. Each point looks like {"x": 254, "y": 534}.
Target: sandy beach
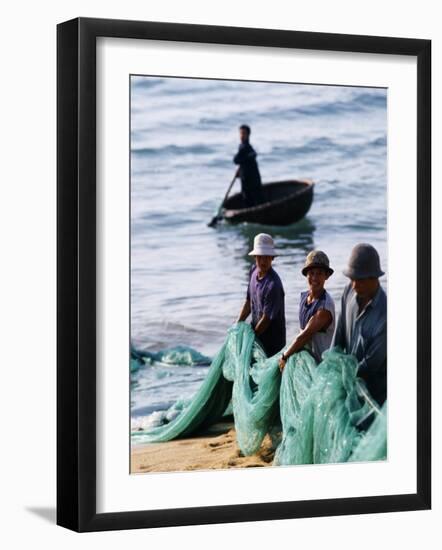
{"x": 216, "y": 448}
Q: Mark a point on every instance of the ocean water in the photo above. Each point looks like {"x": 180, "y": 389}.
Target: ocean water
{"x": 188, "y": 281}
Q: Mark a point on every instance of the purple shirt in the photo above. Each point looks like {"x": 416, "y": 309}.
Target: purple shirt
{"x": 266, "y": 295}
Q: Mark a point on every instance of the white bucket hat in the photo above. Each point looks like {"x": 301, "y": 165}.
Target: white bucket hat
{"x": 263, "y": 245}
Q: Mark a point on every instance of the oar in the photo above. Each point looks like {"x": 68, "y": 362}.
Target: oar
{"x": 218, "y": 215}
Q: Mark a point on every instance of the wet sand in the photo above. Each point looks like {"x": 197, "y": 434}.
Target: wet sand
{"x": 216, "y": 448}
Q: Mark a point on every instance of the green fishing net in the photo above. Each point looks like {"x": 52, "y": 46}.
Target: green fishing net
{"x": 319, "y": 410}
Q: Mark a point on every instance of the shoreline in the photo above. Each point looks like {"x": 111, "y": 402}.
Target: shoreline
{"x": 215, "y": 448}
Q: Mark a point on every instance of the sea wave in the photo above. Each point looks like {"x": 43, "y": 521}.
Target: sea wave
{"x": 322, "y": 145}
{"x": 157, "y": 418}
{"x": 356, "y": 104}
{"x": 177, "y": 355}
{"x": 141, "y": 82}
{"x": 196, "y": 149}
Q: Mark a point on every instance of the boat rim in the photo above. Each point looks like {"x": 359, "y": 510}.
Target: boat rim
{"x": 309, "y": 184}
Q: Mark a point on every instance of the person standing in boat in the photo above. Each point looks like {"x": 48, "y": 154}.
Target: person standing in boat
{"x": 265, "y": 297}
{"x": 251, "y": 186}
{"x": 362, "y": 325}
{"x": 316, "y": 311}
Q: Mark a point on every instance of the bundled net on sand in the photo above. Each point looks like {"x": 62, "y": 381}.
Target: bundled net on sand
{"x": 319, "y": 410}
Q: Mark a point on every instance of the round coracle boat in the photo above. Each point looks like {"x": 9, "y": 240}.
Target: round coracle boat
{"x": 285, "y": 202}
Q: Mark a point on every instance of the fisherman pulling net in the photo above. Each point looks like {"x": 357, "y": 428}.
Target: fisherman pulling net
{"x": 320, "y": 410}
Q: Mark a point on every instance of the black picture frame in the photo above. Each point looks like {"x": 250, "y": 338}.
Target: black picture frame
{"x": 77, "y": 287}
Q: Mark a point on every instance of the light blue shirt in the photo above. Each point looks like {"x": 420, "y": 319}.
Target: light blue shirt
{"x": 364, "y": 335}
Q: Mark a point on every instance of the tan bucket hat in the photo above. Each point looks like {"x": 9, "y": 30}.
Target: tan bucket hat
{"x": 317, "y": 258}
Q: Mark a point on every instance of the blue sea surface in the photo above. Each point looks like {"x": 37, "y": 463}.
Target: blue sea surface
{"x": 188, "y": 281}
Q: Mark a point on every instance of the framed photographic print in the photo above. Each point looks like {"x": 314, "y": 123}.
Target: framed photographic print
{"x": 243, "y": 274}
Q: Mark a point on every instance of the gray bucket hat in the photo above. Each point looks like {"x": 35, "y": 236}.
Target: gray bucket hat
{"x": 317, "y": 258}
{"x": 364, "y": 263}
